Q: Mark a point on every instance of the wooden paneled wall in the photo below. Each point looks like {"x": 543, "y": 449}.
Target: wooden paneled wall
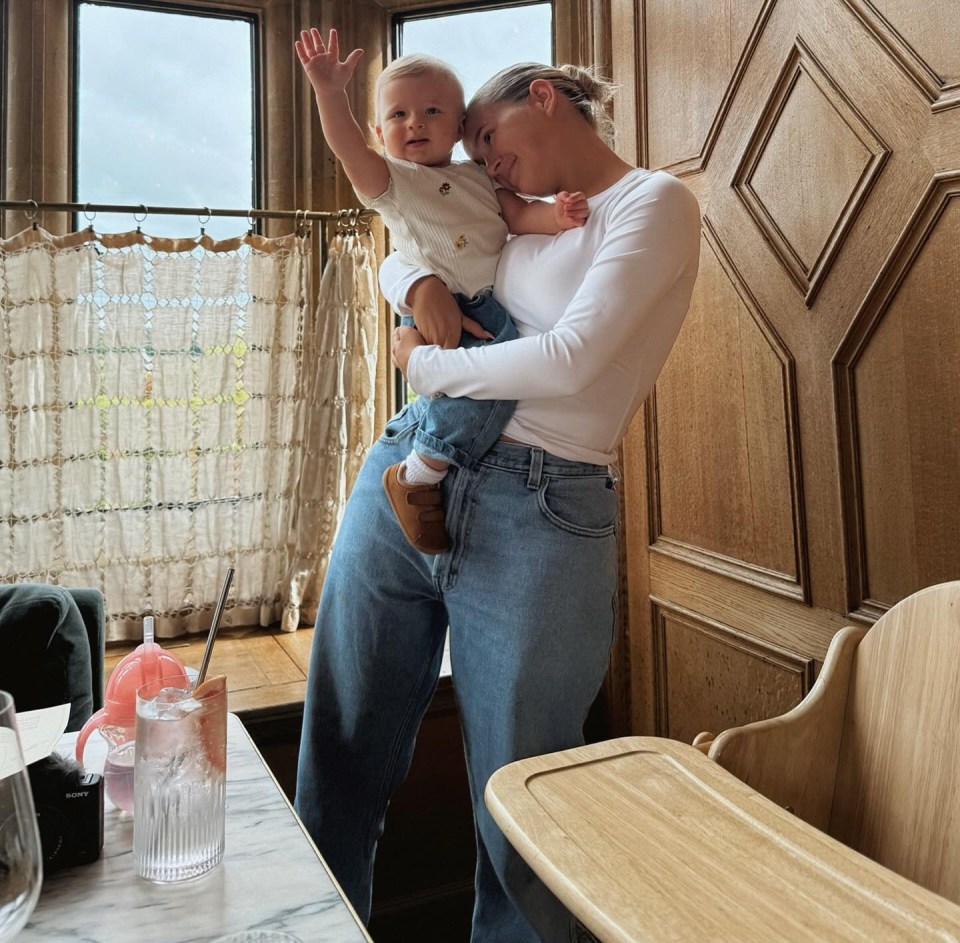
{"x": 798, "y": 466}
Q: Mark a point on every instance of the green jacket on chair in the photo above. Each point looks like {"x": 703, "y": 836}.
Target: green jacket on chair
{"x": 52, "y": 648}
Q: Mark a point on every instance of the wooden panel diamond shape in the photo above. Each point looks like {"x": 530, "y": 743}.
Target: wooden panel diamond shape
{"x": 810, "y": 143}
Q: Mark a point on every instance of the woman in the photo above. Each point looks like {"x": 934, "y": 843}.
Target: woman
{"x": 529, "y": 584}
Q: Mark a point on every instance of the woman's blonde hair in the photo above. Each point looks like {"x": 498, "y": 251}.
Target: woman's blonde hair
{"x": 415, "y": 64}
{"x": 589, "y": 92}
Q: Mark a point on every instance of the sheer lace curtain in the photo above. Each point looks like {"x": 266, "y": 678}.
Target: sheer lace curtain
{"x": 340, "y": 423}
{"x": 169, "y": 408}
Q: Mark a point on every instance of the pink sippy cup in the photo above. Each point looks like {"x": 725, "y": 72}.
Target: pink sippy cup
{"x": 117, "y": 719}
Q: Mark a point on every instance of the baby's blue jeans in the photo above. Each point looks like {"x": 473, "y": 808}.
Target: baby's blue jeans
{"x": 528, "y": 590}
{"x": 458, "y": 429}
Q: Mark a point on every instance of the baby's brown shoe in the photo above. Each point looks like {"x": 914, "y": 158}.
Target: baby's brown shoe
{"x": 419, "y": 511}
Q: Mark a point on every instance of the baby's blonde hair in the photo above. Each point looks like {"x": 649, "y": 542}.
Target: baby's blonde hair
{"x": 589, "y": 92}
{"x": 415, "y": 64}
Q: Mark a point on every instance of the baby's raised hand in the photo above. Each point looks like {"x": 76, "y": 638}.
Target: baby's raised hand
{"x": 571, "y": 209}
{"x": 321, "y": 61}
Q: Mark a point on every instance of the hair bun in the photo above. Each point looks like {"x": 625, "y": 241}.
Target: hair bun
{"x": 595, "y": 94}
{"x": 594, "y": 86}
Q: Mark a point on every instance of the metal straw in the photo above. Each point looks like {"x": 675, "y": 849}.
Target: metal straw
{"x": 217, "y": 613}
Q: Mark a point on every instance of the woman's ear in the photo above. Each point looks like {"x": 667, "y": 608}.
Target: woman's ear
{"x": 543, "y": 93}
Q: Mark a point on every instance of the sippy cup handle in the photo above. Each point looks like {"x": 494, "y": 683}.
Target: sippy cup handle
{"x": 88, "y": 728}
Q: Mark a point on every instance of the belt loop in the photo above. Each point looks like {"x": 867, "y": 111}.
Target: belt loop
{"x": 536, "y": 468}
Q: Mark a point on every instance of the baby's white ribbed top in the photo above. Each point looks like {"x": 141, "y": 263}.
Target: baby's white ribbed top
{"x": 445, "y": 219}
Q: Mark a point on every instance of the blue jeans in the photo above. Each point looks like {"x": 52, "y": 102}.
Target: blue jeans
{"x": 459, "y": 429}
{"x": 528, "y": 590}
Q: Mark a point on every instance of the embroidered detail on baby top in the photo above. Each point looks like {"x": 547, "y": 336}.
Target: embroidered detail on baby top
{"x": 462, "y": 243}
{"x": 445, "y": 188}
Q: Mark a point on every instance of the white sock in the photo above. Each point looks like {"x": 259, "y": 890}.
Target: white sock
{"x": 415, "y": 471}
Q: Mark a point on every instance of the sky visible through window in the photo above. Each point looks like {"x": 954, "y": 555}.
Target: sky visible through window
{"x": 165, "y": 116}
{"x": 479, "y": 43}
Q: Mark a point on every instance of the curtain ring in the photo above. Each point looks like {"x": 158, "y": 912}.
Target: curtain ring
{"x": 298, "y": 224}
{"x": 89, "y": 215}
{"x": 250, "y": 222}
{"x": 31, "y": 214}
{"x": 203, "y": 222}
{"x": 140, "y": 219}
{"x": 347, "y": 222}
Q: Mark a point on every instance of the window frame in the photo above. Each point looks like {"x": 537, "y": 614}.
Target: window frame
{"x": 40, "y": 106}
{"x": 36, "y": 137}
{"x": 581, "y": 28}
{"x": 464, "y": 6}
{"x": 184, "y": 7}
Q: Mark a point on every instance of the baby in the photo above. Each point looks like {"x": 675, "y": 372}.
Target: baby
{"x": 444, "y": 216}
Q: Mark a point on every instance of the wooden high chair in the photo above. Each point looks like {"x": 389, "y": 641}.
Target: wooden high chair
{"x": 809, "y": 826}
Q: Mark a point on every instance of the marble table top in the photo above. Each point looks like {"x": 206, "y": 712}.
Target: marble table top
{"x": 271, "y": 876}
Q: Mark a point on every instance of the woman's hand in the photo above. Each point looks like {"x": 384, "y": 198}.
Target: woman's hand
{"x": 403, "y": 342}
{"x": 438, "y": 316}
{"x": 321, "y": 61}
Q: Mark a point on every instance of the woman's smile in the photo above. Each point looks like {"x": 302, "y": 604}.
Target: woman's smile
{"x": 505, "y": 172}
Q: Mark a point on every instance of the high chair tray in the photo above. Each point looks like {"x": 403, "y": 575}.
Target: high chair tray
{"x": 646, "y": 839}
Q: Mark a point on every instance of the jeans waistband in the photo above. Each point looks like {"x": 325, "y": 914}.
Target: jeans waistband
{"x": 536, "y": 462}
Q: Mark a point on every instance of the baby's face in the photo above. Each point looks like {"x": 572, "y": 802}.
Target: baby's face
{"x": 421, "y": 118}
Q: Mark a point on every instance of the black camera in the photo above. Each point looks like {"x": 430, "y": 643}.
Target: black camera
{"x": 69, "y": 804}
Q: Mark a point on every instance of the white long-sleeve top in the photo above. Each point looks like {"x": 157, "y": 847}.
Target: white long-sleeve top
{"x": 597, "y": 310}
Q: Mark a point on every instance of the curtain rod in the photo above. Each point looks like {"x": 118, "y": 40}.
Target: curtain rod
{"x": 31, "y": 207}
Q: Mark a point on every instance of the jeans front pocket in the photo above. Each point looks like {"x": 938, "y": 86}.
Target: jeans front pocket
{"x": 586, "y": 506}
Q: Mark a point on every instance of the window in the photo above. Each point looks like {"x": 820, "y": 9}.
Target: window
{"x": 169, "y": 122}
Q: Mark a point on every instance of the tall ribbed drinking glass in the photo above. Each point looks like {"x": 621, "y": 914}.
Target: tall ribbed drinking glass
{"x": 21, "y": 868}
{"x": 179, "y": 780}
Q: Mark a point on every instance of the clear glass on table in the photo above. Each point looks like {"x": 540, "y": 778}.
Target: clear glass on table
{"x": 179, "y": 779}
{"x": 21, "y": 861}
